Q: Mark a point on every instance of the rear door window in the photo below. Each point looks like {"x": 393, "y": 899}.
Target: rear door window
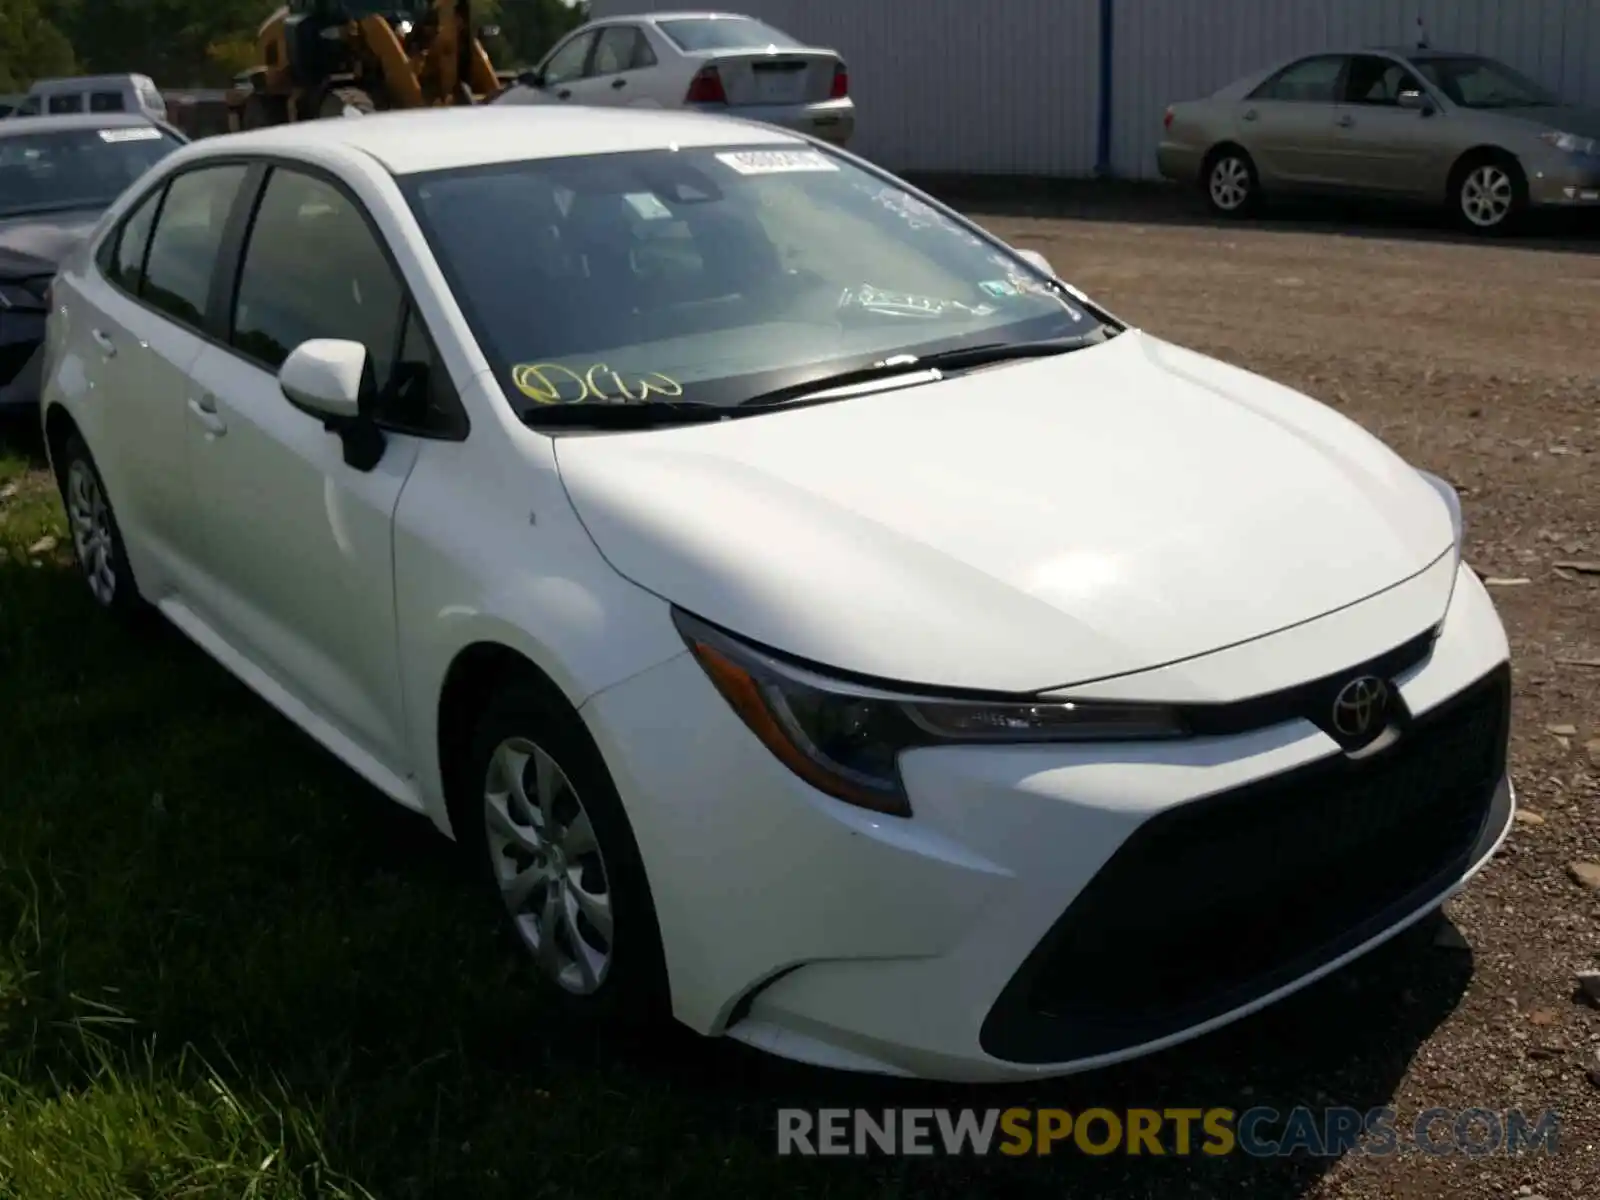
{"x": 106, "y": 102}
{"x": 183, "y": 249}
{"x": 1309, "y": 81}
{"x": 66, "y": 102}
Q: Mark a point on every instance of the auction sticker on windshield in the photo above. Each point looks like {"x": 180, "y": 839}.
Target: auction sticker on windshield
{"x": 774, "y": 162}
{"x": 140, "y": 133}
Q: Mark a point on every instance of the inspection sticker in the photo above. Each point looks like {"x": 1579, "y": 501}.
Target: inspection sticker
{"x": 139, "y": 133}
{"x": 774, "y": 162}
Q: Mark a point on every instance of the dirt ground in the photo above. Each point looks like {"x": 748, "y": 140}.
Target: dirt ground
{"x": 1480, "y": 363}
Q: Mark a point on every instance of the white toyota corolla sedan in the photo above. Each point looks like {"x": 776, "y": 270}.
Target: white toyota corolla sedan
{"x": 820, "y": 621}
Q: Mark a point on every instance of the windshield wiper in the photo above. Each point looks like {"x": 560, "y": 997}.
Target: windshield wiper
{"x": 962, "y": 359}
{"x": 646, "y": 414}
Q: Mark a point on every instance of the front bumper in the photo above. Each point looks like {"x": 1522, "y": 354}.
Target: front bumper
{"x": 1047, "y": 909}
{"x": 1572, "y": 183}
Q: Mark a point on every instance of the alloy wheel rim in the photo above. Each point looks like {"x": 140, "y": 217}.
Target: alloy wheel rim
{"x": 547, "y": 860}
{"x": 1486, "y": 196}
{"x": 1230, "y": 183}
{"x": 91, "y": 531}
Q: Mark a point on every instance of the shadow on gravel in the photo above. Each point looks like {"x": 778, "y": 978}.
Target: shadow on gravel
{"x": 1166, "y": 204}
{"x": 246, "y": 895}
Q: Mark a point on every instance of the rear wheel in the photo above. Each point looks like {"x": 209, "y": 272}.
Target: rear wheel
{"x": 1489, "y": 193}
{"x": 96, "y": 536}
{"x": 1232, "y": 188}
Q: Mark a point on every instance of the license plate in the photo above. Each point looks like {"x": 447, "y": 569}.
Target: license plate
{"x": 780, "y": 87}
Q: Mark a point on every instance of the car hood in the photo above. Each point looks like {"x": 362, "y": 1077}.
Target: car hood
{"x": 37, "y": 244}
{"x": 1030, "y": 526}
{"x": 1562, "y": 118}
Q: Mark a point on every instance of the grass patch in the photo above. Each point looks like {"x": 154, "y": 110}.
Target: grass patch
{"x": 229, "y": 968}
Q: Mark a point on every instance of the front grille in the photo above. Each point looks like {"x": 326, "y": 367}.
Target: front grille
{"x": 1220, "y": 901}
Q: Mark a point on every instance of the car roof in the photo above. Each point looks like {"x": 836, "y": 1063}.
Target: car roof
{"x": 65, "y": 121}
{"x": 408, "y": 143}
{"x": 80, "y": 81}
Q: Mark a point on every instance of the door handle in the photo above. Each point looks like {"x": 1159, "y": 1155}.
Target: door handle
{"x": 107, "y": 346}
{"x": 205, "y": 411}
{"x": 619, "y": 82}
{"x": 1346, "y": 121}
{"x": 1249, "y": 114}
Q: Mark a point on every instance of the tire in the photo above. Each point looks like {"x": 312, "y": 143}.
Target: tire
{"x": 579, "y": 906}
{"x": 96, "y": 537}
{"x": 338, "y": 102}
{"x": 1488, "y": 194}
{"x": 258, "y": 112}
{"x": 1231, "y": 185}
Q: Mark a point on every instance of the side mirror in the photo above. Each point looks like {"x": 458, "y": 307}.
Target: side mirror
{"x": 332, "y": 379}
{"x": 1415, "y": 101}
{"x": 1038, "y": 261}
{"x": 533, "y": 79}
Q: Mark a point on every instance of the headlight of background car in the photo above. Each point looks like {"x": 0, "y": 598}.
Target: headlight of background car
{"x": 1453, "y": 502}
{"x": 845, "y": 739}
{"x": 1570, "y": 143}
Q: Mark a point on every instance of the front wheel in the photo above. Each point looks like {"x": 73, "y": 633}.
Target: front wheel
{"x": 1489, "y": 195}
{"x": 536, "y": 806}
{"x": 1232, "y": 187}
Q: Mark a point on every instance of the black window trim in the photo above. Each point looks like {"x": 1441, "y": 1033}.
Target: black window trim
{"x": 1339, "y": 80}
{"x": 225, "y": 277}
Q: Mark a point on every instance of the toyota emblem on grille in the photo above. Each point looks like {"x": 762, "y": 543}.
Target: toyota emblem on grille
{"x": 1361, "y": 707}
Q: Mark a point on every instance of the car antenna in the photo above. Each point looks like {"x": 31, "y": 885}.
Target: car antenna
{"x": 1422, "y": 34}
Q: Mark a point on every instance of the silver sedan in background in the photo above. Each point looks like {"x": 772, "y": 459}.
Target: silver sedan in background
{"x": 713, "y": 61}
{"x": 1418, "y": 125}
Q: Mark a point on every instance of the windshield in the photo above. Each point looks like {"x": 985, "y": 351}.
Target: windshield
{"x": 724, "y": 33}
{"x": 1474, "y": 82}
{"x": 75, "y": 168}
{"x": 713, "y": 275}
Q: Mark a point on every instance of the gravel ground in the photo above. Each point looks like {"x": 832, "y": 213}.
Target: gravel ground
{"x": 1482, "y": 364}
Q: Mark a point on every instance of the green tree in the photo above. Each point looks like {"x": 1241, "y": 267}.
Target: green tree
{"x": 31, "y": 47}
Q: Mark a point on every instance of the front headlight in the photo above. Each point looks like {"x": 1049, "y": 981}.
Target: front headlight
{"x": 845, "y": 738}
{"x": 1452, "y": 502}
{"x": 1570, "y": 143}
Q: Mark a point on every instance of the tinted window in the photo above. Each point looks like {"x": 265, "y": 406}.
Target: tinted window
{"x": 617, "y": 50}
{"x": 724, "y": 33}
{"x": 183, "y": 250}
{"x": 75, "y": 168}
{"x": 29, "y": 107}
{"x": 1374, "y": 80}
{"x": 126, "y": 267}
{"x": 312, "y": 269}
{"x": 106, "y": 102}
{"x": 1309, "y": 81}
{"x": 566, "y": 64}
{"x": 66, "y": 102}
{"x": 713, "y": 273}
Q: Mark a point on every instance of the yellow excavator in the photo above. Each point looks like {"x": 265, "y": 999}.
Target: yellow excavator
{"x": 334, "y": 58}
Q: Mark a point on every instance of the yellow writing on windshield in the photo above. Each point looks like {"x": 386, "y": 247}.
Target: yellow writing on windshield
{"x": 554, "y": 383}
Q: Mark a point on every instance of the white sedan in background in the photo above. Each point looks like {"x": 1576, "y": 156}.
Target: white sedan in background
{"x": 710, "y": 61}
{"x": 819, "y": 621}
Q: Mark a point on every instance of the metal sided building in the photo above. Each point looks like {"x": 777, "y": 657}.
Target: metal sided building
{"x": 1077, "y": 87}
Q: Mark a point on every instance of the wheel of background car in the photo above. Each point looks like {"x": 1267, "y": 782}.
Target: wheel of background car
{"x": 1230, "y": 183}
{"x": 1489, "y": 194}
{"x": 535, "y": 805}
{"x": 96, "y": 538}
